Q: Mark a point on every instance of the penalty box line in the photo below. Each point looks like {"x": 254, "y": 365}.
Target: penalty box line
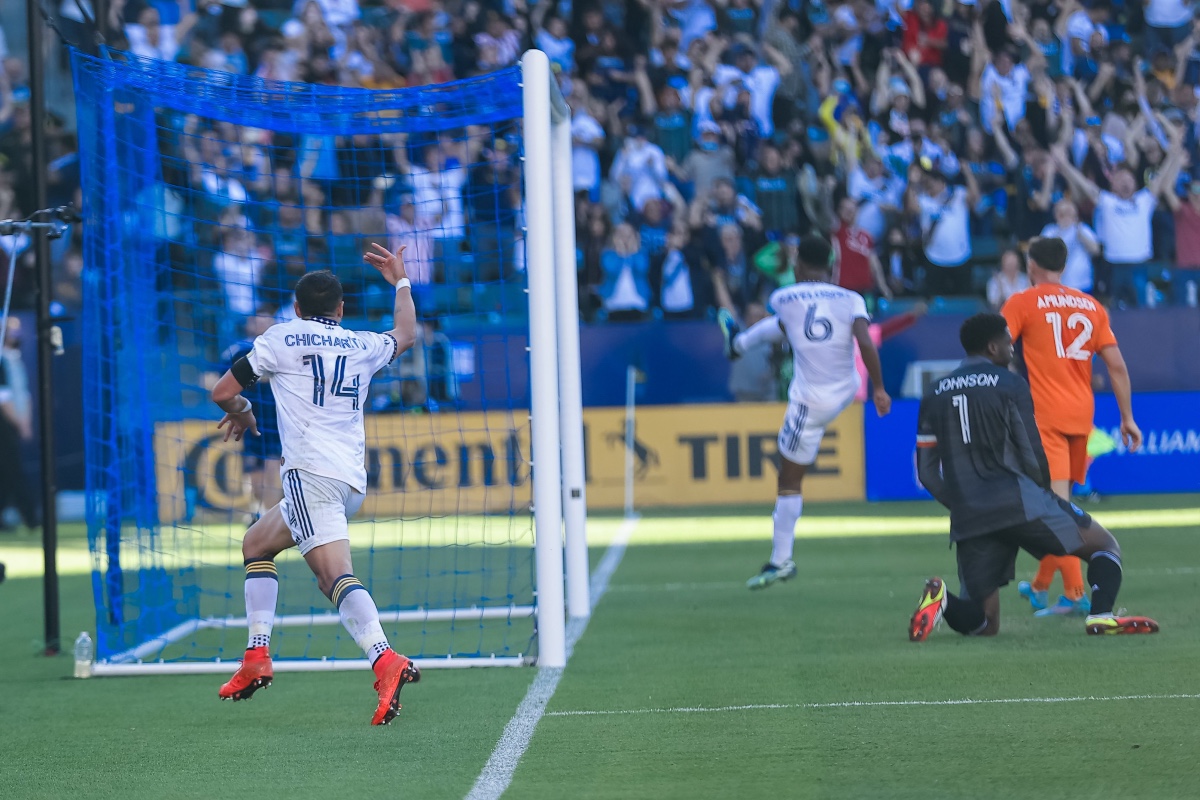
{"x": 870, "y": 704}
{"x": 497, "y": 774}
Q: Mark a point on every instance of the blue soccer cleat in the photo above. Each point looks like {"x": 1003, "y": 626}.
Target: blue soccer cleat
{"x": 729, "y": 329}
{"x": 1067, "y": 607}
{"x": 1039, "y": 600}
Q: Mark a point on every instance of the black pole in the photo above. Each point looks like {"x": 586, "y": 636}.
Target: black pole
{"x": 100, "y": 9}
{"x": 37, "y": 108}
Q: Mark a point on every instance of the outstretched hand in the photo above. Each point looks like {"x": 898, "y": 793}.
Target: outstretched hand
{"x": 389, "y": 264}
{"x": 239, "y": 424}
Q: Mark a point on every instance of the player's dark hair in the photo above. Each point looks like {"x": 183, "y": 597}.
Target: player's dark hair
{"x": 981, "y": 330}
{"x": 1050, "y": 253}
{"x": 815, "y": 253}
{"x": 318, "y": 294}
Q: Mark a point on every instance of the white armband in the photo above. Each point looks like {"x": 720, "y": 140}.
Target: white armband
{"x": 403, "y": 283}
{"x": 246, "y": 407}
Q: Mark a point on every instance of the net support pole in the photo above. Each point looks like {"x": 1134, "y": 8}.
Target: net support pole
{"x": 543, "y": 361}
{"x": 570, "y": 386}
{"x": 46, "y": 331}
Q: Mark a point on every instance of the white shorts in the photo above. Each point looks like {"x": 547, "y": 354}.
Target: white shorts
{"x": 317, "y": 509}
{"x": 803, "y": 427}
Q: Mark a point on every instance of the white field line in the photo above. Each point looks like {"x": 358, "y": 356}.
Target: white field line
{"x": 871, "y": 704}
{"x": 856, "y": 580}
{"x": 497, "y": 774}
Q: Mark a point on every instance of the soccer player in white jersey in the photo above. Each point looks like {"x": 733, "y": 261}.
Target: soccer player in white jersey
{"x": 821, "y": 322}
{"x": 319, "y": 374}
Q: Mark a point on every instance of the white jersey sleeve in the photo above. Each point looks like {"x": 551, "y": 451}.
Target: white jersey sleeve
{"x": 382, "y": 348}
{"x": 262, "y": 356}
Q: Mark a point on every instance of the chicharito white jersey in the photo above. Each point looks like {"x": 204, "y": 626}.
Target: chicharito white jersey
{"x": 818, "y": 319}
{"x": 320, "y": 373}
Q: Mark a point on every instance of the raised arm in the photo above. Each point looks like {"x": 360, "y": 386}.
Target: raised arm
{"x": 1076, "y": 178}
{"x": 1164, "y": 181}
{"x": 915, "y": 84}
{"x": 404, "y": 318}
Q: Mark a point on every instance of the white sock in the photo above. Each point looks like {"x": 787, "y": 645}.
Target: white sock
{"x": 765, "y": 330}
{"x": 787, "y": 511}
{"x": 360, "y": 616}
{"x": 262, "y": 591}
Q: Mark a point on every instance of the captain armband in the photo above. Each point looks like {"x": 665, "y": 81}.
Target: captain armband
{"x": 243, "y": 373}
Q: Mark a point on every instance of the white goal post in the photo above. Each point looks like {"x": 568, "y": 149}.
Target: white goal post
{"x": 556, "y": 424}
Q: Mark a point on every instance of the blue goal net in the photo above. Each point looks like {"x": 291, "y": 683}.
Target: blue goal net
{"x": 207, "y": 196}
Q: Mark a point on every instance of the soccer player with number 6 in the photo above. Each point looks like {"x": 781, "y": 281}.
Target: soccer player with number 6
{"x": 821, "y": 322}
{"x": 1060, "y": 330}
{"x": 320, "y": 373}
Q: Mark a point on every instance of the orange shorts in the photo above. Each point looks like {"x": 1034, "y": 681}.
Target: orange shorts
{"x": 1067, "y": 455}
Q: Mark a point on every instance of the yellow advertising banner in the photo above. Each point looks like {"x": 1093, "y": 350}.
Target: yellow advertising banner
{"x": 707, "y": 455}
{"x": 445, "y": 464}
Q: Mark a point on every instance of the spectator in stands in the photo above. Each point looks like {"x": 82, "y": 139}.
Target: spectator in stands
{"x": 678, "y": 278}
{"x": 879, "y": 194}
{"x": 776, "y": 193}
{"x": 1168, "y": 22}
{"x": 1081, "y": 30}
{"x": 1009, "y": 279}
{"x": 736, "y": 281}
{"x": 945, "y": 214}
{"x": 1082, "y": 245}
{"x": 1186, "y": 275}
{"x": 626, "y": 289}
{"x": 587, "y": 137}
{"x": 640, "y": 168}
{"x": 405, "y": 230}
{"x": 857, "y": 266}
{"x": 238, "y": 264}
{"x": 499, "y": 44}
{"x": 1124, "y": 223}
{"x": 925, "y": 35}
{"x": 711, "y": 161}
{"x": 149, "y": 38}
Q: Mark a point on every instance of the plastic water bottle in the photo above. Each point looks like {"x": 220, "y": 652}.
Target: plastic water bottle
{"x": 83, "y": 655}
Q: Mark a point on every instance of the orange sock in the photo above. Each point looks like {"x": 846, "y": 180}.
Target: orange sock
{"x": 1045, "y": 574}
{"x": 1072, "y": 573}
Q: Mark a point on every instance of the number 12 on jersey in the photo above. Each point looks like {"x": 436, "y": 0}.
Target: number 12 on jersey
{"x": 339, "y": 388}
{"x": 1075, "y": 350}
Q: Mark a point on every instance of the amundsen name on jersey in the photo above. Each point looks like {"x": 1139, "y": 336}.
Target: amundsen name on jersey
{"x": 322, "y": 340}
{"x": 1066, "y": 301}
{"x": 967, "y": 382}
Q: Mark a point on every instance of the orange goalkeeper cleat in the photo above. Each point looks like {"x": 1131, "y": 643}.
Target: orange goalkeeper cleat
{"x": 254, "y": 674}
{"x": 929, "y": 611}
{"x": 394, "y": 670}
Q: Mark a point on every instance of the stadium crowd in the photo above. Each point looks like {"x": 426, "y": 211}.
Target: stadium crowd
{"x": 929, "y": 141}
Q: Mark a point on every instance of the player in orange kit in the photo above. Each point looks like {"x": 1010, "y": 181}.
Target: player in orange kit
{"x": 1061, "y": 329}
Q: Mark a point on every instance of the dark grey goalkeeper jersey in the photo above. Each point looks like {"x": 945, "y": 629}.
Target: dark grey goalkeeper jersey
{"x": 977, "y": 422}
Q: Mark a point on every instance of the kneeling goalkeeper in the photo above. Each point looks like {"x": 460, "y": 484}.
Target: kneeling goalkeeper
{"x": 980, "y": 455}
{"x": 320, "y": 373}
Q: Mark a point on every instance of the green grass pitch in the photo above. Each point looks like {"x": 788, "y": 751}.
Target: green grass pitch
{"x": 676, "y": 631}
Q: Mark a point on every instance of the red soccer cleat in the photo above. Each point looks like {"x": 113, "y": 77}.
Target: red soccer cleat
{"x": 929, "y": 611}
{"x": 393, "y": 670}
{"x": 1110, "y": 625}
{"x": 254, "y": 674}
